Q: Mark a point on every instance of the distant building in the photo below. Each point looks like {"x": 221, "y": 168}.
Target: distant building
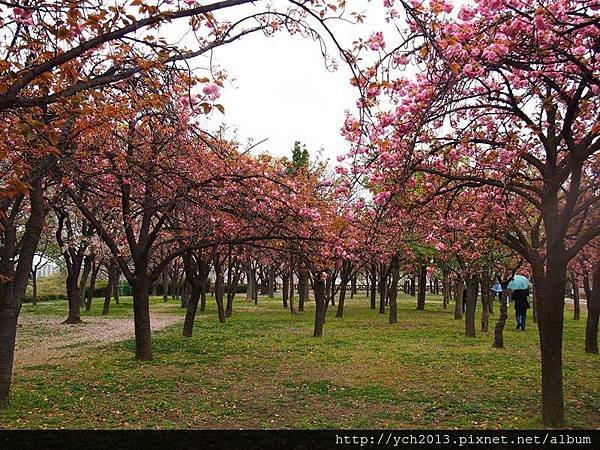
{"x": 47, "y": 268}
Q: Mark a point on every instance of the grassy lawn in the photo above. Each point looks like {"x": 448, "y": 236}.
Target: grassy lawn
{"x": 262, "y": 369}
{"x": 60, "y": 308}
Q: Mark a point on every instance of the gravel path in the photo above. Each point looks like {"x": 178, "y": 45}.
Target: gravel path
{"x": 44, "y": 340}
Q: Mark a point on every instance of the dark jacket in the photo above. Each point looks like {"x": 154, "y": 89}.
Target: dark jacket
{"x": 519, "y": 297}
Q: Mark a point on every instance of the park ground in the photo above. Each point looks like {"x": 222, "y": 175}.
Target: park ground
{"x": 263, "y": 369}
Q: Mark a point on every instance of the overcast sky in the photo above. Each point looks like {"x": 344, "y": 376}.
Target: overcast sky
{"x": 280, "y": 89}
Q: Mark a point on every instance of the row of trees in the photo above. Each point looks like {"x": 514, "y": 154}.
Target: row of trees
{"x": 100, "y": 118}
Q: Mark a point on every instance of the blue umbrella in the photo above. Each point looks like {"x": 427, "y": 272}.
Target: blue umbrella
{"x": 497, "y": 288}
{"x": 519, "y": 282}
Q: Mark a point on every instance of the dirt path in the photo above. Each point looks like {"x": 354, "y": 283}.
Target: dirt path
{"x": 44, "y": 340}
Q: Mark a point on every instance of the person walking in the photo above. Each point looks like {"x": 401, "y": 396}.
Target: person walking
{"x": 519, "y": 298}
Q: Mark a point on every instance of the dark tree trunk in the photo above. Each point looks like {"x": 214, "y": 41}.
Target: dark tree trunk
{"x": 107, "y": 296}
{"x": 550, "y": 293}
{"x": 413, "y": 282}
{"x": 303, "y": 289}
{"x": 190, "y": 314}
{"x": 501, "y": 323}
{"x": 112, "y": 275}
{"x": 341, "y": 300}
{"x": 458, "y": 295}
{"x": 445, "y": 290}
{"x": 8, "y": 333}
{"x": 373, "y": 273}
{"x": 329, "y": 289}
{"x": 486, "y": 299}
{"x": 185, "y": 293}
{"x": 165, "y": 284}
{"x": 203, "y": 289}
{"x": 285, "y": 288}
{"x": 249, "y": 282}
{"x": 231, "y": 291}
{"x": 219, "y": 287}
{"x": 270, "y": 282}
{"x": 320, "y": 302}
{"x": 116, "y": 286}
{"x": 353, "y": 286}
{"x": 422, "y": 288}
{"x": 92, "y": 289}
{"x": 345, "y": 273}
{"x": 141, "y": 315}
{"x": 262, "y": 276}
{"x": 382, "y": 288}
{"x": 576, "y": 306}
{"x": 291, "y": 294}
{"x": 472, "y": 289}
{"x": 87, "y": 268}
{"x": 395, "y": 270}
{"x": 592, "y": 295}
{"x": 34, "y": 286}
{"x": 73, "y": 294}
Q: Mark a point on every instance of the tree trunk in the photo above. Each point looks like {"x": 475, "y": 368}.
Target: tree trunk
{"x": 270, "y": 282}
{"x": 219, "y": 288}
{"x": 116, "y": 286}
{"x": 141, "y": 315}
{"x": 203, "y": 289}
{"x": 92, "y": 289}
{"x": 422, "y": 288}
{"x": 343, "y": 285}
{"x": 353, "y": 286}
{"x": 190, "y": 314}
{"x": 185, "y": 293}
{"x": 249, "y": 285}
{"x": 107, "y": 296}
{"x": 165, "y": 284}
{"x": 592, "y": 294}
{"x": 373, "y": 274}
{"x": 458, "y": 294}
{"x": 87, "y": 268}
{"x": 321, "y": 304}
{"x": 501, "y": 323}
{"x": 550, "y": 287}
{"x": 291, "y": 294}
{"x": 486, "y": 298}
{"x": 8, "y": 333}
{"x": 231, "y": 291}
{"x": 329, "y": 289}
{"x": 34, "y": 286}
{"x": 472, "y": 289}
{"x": 73, "y": 295}
{"x": 112, "y": 275}
{"x": 413, "y": 291}
{"x": 285, "y": 288}
{"x": 445, "y": 290}
{"x": 393, "y": 295}
{"x": 382, "y": 288}
{"x": 576, "y": 306}
{"x": 303, "y": 289}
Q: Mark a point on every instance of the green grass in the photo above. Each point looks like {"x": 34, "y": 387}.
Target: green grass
{"x": 263, "y": 369}
{"x": 60, "y": 308}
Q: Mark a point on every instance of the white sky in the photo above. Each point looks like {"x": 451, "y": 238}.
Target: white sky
{"x": 280, "y": 89}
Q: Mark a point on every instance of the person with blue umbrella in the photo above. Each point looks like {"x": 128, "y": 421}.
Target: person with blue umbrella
{"x": 519, "y": 287}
